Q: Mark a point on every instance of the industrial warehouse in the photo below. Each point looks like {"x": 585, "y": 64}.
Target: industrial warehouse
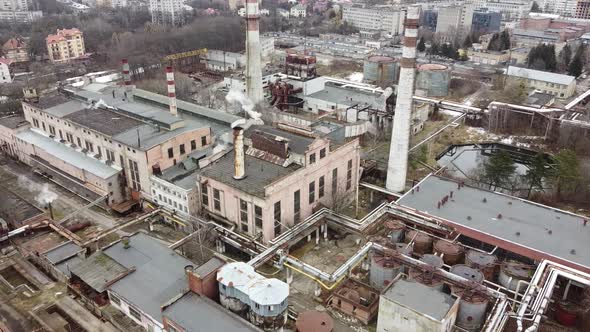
{"x": 305, "y": 202}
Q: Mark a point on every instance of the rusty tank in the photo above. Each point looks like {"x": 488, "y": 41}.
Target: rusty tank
{"x": 452, "y": 253}
{"x": 484, "y": 262}
{"x": 426, "y": 277}
{"x": 422, "y": 242}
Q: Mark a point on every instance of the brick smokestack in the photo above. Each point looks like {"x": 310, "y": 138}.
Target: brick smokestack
{"x": 253, "y": 62}
{"x": 239, "y": 162}
{"x": 397, "y": 167}
{"x": 171, "y": 90}
{"x": 126, "y": 75}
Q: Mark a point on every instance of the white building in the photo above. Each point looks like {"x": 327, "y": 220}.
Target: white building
{"x": 283, "y": 12}
{"x": 167, "y": 12}
{"x": 299, "y": 11}
{"x": 224, "y": 61}
{"x": 510, "y": 9}
{"x": 559, "y": 85}
{"x": 267, "y": 46}
{"x": 455, "y": 20}
{"x": 565, "y": 8}
{"x": 386, "y": 19}
{"x": 20, "y": 16}
{"x": 5, "y": 75}
{"x": 14, "y": 5}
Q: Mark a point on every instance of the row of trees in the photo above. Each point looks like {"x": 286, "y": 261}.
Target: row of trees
{"x": 542, "y": 57}
{"x": 500, "y": 41}
{"x": 563, "y": 174}
{"x": 447, "y": 50}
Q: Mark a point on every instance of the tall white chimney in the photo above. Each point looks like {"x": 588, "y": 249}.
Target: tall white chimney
{"x": 239, "y": 162}
{"x": 253, "y": 62}
{"x": 171, "y": 90}
{"x": 397, "y": 167}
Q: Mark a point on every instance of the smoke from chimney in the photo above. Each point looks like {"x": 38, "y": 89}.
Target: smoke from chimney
{"x": 171, "y": 90}
{"x": 239, "y": 162}
{"x": 397, "y": 167}
{"x": 253, "y": 62}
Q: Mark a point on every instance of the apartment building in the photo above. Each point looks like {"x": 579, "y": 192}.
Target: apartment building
{"x": 298, "y": 11}
{"x": 5, "y": 75}
{"x": 20, "y": 16}
{"x": 387, "y": 19}
{"x": 582, "y": 9}
{"x": 289, "y": 174}
{"x": 15, "y": 49}
{"x": 66, "y": 45}
{"x": 559, "y": 85}
{"x": 111, "y": 3}
{"x": 167, "y": 12}
{"x": 512, "y": 10}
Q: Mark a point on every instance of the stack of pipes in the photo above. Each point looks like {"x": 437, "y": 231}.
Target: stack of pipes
{"x": 171, "y": 90}
{"x": 400, "y": 138}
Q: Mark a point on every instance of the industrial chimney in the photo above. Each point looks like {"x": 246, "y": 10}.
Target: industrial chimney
{"x": 126, "y": 75}
{"x": 171, "y": 90}
{"x": 397, "y": 167}
{"x": 239, "y": 162}
{"x": 253, "y": 62}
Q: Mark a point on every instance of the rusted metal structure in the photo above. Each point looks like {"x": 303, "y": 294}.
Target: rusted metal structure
{"x": 314, "y": 321}
{"x": 281, "y": 93}
{"x": 300, "y": 65}
{"x": 452, "y": 253}
{"x": 355, "y": 299}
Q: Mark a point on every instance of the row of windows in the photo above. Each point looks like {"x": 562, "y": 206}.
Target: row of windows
{"x": 170, "y": 202}
{"x": 182, "y": 149}
{"x": 322, "y": 155}
{"x": 168, "y": 190}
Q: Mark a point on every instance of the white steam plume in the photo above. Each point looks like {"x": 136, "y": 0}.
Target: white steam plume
{"x": 46, "y": 196}
{"x": 236, "y": 96}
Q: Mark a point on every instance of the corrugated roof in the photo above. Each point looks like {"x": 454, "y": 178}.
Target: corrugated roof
{"x": 210, "y": 266}
{"x": 539, "y": 75}
{"x": 297, "y": 143}
{"x": 259, "y": 289}
{"x": 199, "y": 314}
{"x": 68, "y": 155}
{"x": 159, "y": 273}
{"x": 99, "y": 271}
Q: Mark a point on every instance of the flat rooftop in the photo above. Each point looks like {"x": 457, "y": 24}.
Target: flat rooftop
{"x": 13, "y": 122}
{"x": 508, "y": 220}
{"x": 198, "y": 313}
{"x": 259, "y": 173}
{"x": 348, "y": 96}
{"x": 420, "y": 298}
{"x": 103, "y": 121}
{"x": 68, "y": 154}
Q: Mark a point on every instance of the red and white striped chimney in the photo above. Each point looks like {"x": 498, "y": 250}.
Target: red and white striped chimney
{"x": 253, "y": 54}
{"x": 126, "y": 75}
{"x": 397, "y": 166}
{"x": 171, "y": 90}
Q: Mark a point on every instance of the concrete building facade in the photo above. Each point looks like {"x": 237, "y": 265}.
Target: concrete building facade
{"x": 20, "y": 16}
{"x": 15, "y": 49}
{"x": 5, "y": 75}
{"x": 559, "y": 85}
{"x": 167, "y": 12}
{"x": 65, "y": 45}
{"x": 288, "y": 177}
{"x": 375, "y": 18}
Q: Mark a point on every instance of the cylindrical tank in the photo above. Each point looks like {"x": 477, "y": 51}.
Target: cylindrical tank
{"x": 512, "y": 272}
{"x": 314, "y": 321}
{"x": 467, "y": 273}
{"x": 472, "y": 306}
{"x": 404, "y": 248}
{"x": 422, "y": 242}
{"x": 566, "y": 313}
{"x": 380, "y": 70}
{"x": 426, "y": 278}
{"x": 395, "y": 230}
{"x": 486, "y": 263}
{"x": 452, "y": 252}
{"x": 383, "y": 270}
{"x": 433, "y": 80}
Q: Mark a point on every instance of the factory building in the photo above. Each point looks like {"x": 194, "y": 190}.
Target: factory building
{"x": 287, "y": 174}
{"x": 559, "y": 85}
{"x": 65, "y": 45}
{"x": 386, "y": 19}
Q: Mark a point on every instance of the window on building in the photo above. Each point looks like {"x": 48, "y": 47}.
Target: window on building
{"x": 52, "y": 130}
{"x": 61, "y": 136}
{"x": 216, "y": 199}
{"x": 244, "y": 215}
{"x": 89, "y": 146}
{"x": 114, "y": 299}
{"x": 193, "y": 145}
{"x": 277, "y": 218}
{"x": 110, "y": 155}
{"x": 170, "y": 153}
{"x": 334, "y": 181}
{"x": 69, "y": 138}
{"x": 258, "y": 218}
{"x": 297, "y": 206}
{"x": 182, "y": 149}
{"x": 35, "y": 122}
{"x": 349, "y": 175}
{"x": 204, "y": 195}
{"x": 321, "y": 187}
{"x": 312, "y": 158}
{"x": 160, "y": 197}
{"x": 134, "y": 313}
{"x": 135, "y": 184}
{"x": 322, "y": 153}
{"x": 79, "y": 141}
{"x": 311, "y": 192}
{"x": 43, "y": 125}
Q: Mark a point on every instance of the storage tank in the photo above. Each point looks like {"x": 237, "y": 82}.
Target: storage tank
{"x": 426, "y": 278}
{"x": 384, "y": 269}
{"x": 433, "y": 80}
{"x": 452, "y": 253}
{"x": 314, "y": 321}
{"x": 380, "y": 70}
{"x": 472, "y": 306}
{"x": 395, "y": 230}
{"x": 484, "y": 262}
{"x": 422, "y": 242}
{"x": 512, "y": 272}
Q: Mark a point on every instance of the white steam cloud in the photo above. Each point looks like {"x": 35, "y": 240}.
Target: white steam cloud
{"x": 45, "y": 195}
{"x": 355, "y": 77}
{"x": 236, "y": 96}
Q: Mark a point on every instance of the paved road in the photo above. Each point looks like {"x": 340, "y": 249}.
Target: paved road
{"x": 19, "y": 178}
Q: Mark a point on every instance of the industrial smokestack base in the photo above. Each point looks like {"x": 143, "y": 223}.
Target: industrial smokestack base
{"x": 239, "y": 162}
{"x": 397, "y": 167}
{"x": 253, "y": 54}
